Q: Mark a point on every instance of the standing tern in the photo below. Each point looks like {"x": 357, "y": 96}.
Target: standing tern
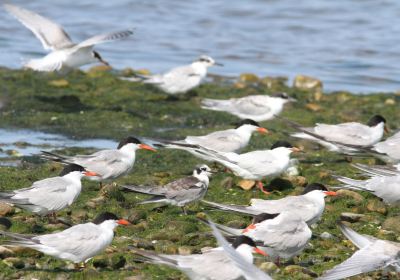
{"x": 49, "y": 195}
{"x": 108, "y": 164}
{"x": 309, "y": 205}
{"x": 213, "y": 264}
{"x": 179, "y": 192}
{"x": 353, "y": 134}
{"x": 388, "y": 150}
{"x": 373, "y": 254}
{"x": 255, "y": 165}
{"x": 282, "y": 235}
{"x": 256, "y": 107}
{"x": 78, "y": 243}
{"x": 65, "y": 55}
{"x": 179, "y": 80}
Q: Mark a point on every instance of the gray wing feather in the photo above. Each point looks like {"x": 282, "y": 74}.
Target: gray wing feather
{"x": 104, "y": 38}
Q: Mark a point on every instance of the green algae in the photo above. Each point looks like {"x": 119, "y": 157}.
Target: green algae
{"x": 100, "y": 105}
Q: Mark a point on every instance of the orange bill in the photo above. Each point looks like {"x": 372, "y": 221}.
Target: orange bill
{"x": 146, "y": 147}
{"x": 91, "y": 174}
{"x": 259, "y": 251}
{"x": 262, "y": 130}
{"x": 330, "y": 193}
{"x": 250, "y": 227}
{"x": 123, "y": 222}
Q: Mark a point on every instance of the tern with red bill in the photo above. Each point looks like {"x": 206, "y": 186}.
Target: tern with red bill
{"x": 256, "y": 107}
{"x": 108, "y": 164}
{"x": 65, "y": 54}
{"x": 213, "y": 264}
{"x": 77, "y": 244}
{"x": 283, "y": 235}
{"x": 373, "y": 254}
{"x": 49, "y": 195}
{"x": 309, "y": 205}
{"x": 181, "y": 79}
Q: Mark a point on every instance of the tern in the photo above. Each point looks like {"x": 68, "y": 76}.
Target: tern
{"x": 373, "y": 254}
{"x": 309, "y": 205}
{"x": 213, "y": 264}
{"x": 49, "y": 195}
{"x": 283, "y": 235}
{"x": 65, "y": 54}
{"x": 108, "y": 164}
{"x": 352, "y": 134}
{"x": 179, "y": 192}
{"x": 179, "y": 80}
{"x": 256, "y": 107}
{"x": 77, "y": 244}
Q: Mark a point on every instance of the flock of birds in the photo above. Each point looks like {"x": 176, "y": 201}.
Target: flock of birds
{"x": 280, "y": 228}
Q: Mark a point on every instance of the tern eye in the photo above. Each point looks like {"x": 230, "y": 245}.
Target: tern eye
{"x": 203, "y": 169}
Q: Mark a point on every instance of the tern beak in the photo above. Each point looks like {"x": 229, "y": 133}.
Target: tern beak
{"x": 386, "y": 129}
{"x": 330, "y": 193}
{"x": 291, "y": 99}
{"x": 91, "y": 174}
{"x": 262, "y": 130}
{"x": 259, "y": 251}
{"x": 104, "y": 62}
{"x": 123, "y": 222}
{"x": 213, "y": 171}
{"x": 250, "y": 227}
{"x": 296, "y": 150}
{"x": 147, "y": 147}
{"x": 218, "y": 64}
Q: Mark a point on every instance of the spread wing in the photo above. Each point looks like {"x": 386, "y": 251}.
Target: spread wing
{"x": 104, "y": 38}
{"x": 51, "y": 35}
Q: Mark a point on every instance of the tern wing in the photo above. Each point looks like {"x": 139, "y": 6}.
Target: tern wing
{"x": 51, "y": 35}
{"x": 224, "y": 141}
{"x": 348, "y": 133}
{"x": 104, "y": 38}
{"x": 250, "y": 271}
{"x": 253, "y": 105}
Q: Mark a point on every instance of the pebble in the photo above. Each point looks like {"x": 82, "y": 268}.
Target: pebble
{"x": 307, "y": 83}
{"x": 248, "y": 78}
{"x": 377, "y": 206}
{"x": 392, "y": 223}
{"x": 59, "y": 83}
{"x": 326, "y": 235}
{"x": 269, "y": 267}
{"x": 246, "y": 184}
{"x": 6, "y": 209}
{"x": 358, "y": 198}
{"x": 5, "y": 252}
{"x": 185, "y": 250}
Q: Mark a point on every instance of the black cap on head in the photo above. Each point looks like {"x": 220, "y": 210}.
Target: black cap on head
{"x": 375, "y": 120}
{"x": 281, "y": 95}
{"x": 104, "y": 217}
{"x": 241, "y": 239}
{"x": 263, "y": 217}
{"x": 314, "y": 187}
{"x": 281, "y": 143}
{"x": 128, "y": 140}
{"x": 247, "y": 121}
{"x": 71, "y": 168}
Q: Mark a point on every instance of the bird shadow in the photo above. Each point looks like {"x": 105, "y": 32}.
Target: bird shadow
{"x": 63, "y": 103}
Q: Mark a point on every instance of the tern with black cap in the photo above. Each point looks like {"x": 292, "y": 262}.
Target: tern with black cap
{"x": 179, "y": 80}
{"x": 309, "y": 205}
{"x": 179, "y": 192}
{"x": 256, "y": 107}
{"x": 108, "y": 164}
{"x": 65, "y": 54}
{"x": 77, "y": 244}
{"x": 50, "y": 195}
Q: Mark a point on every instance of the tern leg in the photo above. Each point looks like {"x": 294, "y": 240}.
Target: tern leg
{"x": 184, "y": 210}
{"x": 260, "y": 185}
{"x": 101, "y": 185}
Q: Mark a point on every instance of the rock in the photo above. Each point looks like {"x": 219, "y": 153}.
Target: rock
{"x": 205, "y": 249}
{"x": 392, "y": 223}
{"x": 246, "y": 184}
{"x": 13, "y": 153}
{"x": 142, "y": 243}
{"x": 5, "y": 209}
{"x": 377, "y": 206}
{"x": 166, "y": 247}
{"x": 350, "y": 217}
{"x": 390, "y": 101}
{"x": 298, "y": 180}
{"x": 59, "y": 83}
{"x": 112, "y": 191}
{"x": 143, "y": 72}
{"x": 248, "y": 78}
{"x": 326, "y": 235}
{"x": 313, "y": 107}
{"x": 227, "y": 183}
{"x": 358, "y": 198}
{"x": 269, "y": 267}
{"x": 185, "y": 250}
{"x": 300, "y": 272}
{"x": 5, "y": 252}
{"x": 307, "y": 83}
{"x": 14, "y": 262}
{"x": 274, "y": 82}
{"x": 118, "y": 262}
{"x": 136, "y": 215}
{"x": 80, "y": 215}
{"x": 95, "y": 202}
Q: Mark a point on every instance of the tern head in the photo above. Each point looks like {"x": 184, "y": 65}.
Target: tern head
{"x": 377, "y": 119}
{"x": 132, "y": 143}
{"x": 250, "y": 125}
{"x": 284, "y": 96}
{"x": 318, "y": 188}
{"x": 202, "y": 172}
{"x": 245, "y": 246}
{"x": 78, "y": 170}
{"x": 284, "y": 145}
{"x": 207, "y": 61}
{"x": 109, "y": 219}
{"x": 98, "y": 58}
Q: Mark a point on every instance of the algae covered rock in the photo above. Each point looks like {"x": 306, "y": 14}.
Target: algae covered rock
{"x": 307, "y": 83}
{"x": 392, "y": 223}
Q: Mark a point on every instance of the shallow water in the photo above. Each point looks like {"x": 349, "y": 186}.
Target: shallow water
{"x": 342, "y": 42}
{"x": 29, "y": 142}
